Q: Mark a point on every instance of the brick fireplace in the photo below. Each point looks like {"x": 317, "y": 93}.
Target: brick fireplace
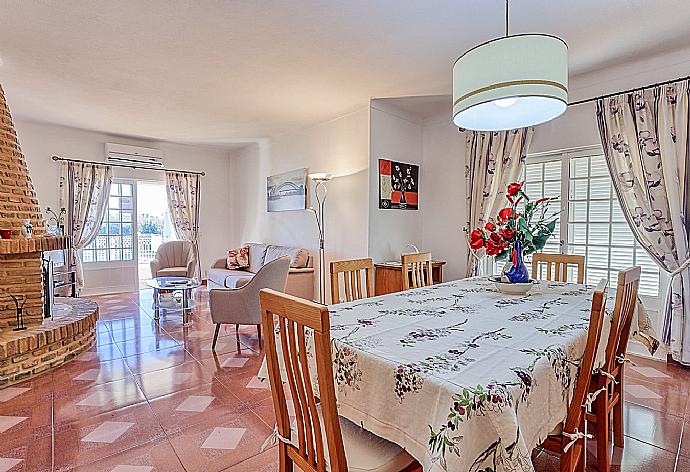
{"x": 20, "y": 258}
{"x": 46, "y": 343}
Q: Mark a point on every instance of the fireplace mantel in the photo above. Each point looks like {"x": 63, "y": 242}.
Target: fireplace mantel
{"x": 37, "y": 244}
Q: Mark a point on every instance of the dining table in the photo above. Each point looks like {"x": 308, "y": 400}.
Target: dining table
{"x": 462, "y": 376}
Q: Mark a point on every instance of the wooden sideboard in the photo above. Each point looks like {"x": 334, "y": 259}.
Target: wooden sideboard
{"x": 389, "y": 276}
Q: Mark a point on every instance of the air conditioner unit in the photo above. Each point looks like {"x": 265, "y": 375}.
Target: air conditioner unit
{"x": 133, "y": 155}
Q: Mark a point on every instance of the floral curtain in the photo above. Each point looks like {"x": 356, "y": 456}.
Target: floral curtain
{"x": 84, "y": 192}
{"x": 494, "y": 159}
{"x": 183, "y": 191}
{"x": 645, "y": 140}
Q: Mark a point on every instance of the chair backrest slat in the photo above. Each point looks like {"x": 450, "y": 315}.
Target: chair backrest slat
{"x": 353, "y": 270}
{"x": 596, "y": 322}
{"x": 289, "y": 362}
{"x": 573, "y": 458}
{"x": 416, "y": 270}
{"x": 623, "y": 312}
{"x": 298, "y": 319}
{"x": 557, "y": 266}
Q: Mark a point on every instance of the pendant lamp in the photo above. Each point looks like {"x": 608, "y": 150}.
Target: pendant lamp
{"x": 511, "y": 82}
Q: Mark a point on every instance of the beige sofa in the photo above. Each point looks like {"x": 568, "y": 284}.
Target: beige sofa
{"x": 300, "y": 281}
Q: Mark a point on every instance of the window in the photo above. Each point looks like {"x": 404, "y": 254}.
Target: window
{"x": 115, "y": 238}
{"x": 591, "y": 222}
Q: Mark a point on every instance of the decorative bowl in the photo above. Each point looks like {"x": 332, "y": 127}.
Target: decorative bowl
{"x": 511, "y": 288}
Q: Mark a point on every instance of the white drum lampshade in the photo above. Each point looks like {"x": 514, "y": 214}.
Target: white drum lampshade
{"x": 511, "y": 82}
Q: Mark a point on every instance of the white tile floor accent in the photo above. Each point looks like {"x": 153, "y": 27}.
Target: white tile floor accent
{"x": 132, "y": 468}
{"x": 256, "y": 383}
{"x": 181, "y": 377}
{"x": 91, "y": 374}
{"x": 224, "y": 438}
{"x": 107, "y": 432}
{"x": 640, "y": 391}
{"x": 6, "y": 463}
{"x": 235, "y": 362}
{"x": 6, "y": 422}
{"x": 87, "y": 356}
{"x": 650, "y": 372}
{"x": 196, "y": 403}
{"x": 10, "y": 392}
{"x": 96, "y": 399}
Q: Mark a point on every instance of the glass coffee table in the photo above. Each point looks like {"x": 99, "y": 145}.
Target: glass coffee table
{"x": 174, "y": 285}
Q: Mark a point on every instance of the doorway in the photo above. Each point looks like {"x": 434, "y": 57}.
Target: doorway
{"x": 154, "y": 226}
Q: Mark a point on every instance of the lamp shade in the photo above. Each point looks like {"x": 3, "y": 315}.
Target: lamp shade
{"x": 511, "y": 82}
{"x": 320, "y": 176}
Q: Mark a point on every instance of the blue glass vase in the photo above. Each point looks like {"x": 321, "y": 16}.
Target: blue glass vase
{"x": 518, "y": 274}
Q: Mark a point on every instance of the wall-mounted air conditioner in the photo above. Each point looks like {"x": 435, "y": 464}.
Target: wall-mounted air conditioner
{"x": 133, "y": 155}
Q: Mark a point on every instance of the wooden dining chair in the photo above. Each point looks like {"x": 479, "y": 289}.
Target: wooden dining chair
{"x": 568, "y": 439}
{"x": 320, "y": 440}
{"x": 353, "y": 271}
{"x": 610, "y": 375}
{"x": 557, "y": 266}
{"x": 416, "y": 270}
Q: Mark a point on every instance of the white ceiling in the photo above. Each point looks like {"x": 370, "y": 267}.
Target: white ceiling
{"x": 221, "y": 72}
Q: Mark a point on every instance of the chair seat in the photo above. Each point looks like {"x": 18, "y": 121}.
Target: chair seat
{"x": 172, "y": 272}
{"x": 364, "y": 451}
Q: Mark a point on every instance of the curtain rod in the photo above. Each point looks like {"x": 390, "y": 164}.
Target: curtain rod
{"x": 129, "y": 166}
{"x": 608, "y": 95}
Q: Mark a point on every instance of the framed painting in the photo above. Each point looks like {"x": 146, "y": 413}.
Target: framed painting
{"x": 398, "y": 185}
{"x": 287, "y": 191}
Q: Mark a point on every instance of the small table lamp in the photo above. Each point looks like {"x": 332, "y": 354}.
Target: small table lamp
{"x": 321, "y": 192}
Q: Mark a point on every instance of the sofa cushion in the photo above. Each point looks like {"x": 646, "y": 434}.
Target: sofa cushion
{"x": 172, "y": 272}
{"x": 238, "y": 258}
{"x": 222, "y": 276}
{"x": 256, "y": 256}
{"x": 298, "y": 256}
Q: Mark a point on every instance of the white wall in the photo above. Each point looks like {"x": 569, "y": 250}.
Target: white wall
{"x": 395, "y": 135}
{"x": 435, "y": 144}
{"x": 339, "y": 147}
{"x": 445, "y": 192}
{"x": 40, "y": 141}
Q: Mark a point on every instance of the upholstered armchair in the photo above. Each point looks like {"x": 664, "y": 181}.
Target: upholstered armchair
{"x": 240, "y": 306}
{"x": 174, "y": 259}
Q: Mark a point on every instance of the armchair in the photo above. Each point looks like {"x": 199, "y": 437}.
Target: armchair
{"x": 174, "y": 259}
{"x": 241, "y": 305}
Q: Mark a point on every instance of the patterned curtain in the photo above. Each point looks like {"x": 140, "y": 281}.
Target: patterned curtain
{"x": 645, "y": 140}
{"x": 84, "y": 192}
{"x": 183, "y": 191}
{"x": 494, "y": 159}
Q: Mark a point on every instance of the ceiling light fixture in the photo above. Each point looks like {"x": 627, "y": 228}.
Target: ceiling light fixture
{"x": 511, "y": 82}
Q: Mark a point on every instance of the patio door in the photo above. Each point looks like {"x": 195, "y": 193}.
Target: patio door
{"x": 154, "y": 226}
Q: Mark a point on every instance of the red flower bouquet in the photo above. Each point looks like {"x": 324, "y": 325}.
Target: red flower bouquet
{"x": 531, "y": 227}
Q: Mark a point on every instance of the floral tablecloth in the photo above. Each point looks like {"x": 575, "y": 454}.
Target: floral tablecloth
{"x": 463, "y": 377}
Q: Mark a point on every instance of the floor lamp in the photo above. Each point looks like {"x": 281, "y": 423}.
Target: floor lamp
{"x": 321, "y": 192}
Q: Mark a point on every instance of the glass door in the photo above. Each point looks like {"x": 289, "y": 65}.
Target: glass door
{"x": 153, "y": 225}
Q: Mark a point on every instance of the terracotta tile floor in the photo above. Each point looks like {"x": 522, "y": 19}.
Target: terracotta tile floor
{"x": 154, "y": 397}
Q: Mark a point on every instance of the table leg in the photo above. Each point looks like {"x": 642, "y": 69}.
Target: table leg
{"x": 186, "y": 310}
{"x": 156, "y": 304}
